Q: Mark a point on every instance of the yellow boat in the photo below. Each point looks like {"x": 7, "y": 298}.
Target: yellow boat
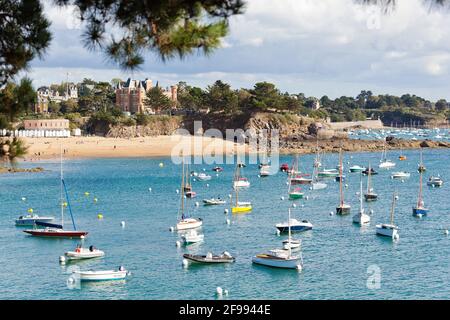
{"x": 402, "y": 158}
{"x": 240, "y": 207}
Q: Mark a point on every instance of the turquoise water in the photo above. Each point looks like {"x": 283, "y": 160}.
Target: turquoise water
{"x": 336, "y": 253}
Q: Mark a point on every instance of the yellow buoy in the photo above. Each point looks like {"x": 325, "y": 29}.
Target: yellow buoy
{"x": 30, "y": 210}
{"x": 95, "y": 199}
{"x": 86, "y": 193}
{"x": 161, "y": 164}
{"x": 64, "y": 204}
{"x": 100, "y": 216}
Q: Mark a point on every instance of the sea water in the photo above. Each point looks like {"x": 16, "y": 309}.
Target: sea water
{"x": 341, "y": 260}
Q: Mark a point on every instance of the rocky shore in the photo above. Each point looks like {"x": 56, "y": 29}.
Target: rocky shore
{"x": 350, "y": 145}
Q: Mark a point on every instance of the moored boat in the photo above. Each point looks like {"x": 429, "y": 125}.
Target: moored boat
{"x": 356, "y": 168}
{"x": 210, "y": 258}
{"x": 213, "y": 202}
{"x": 343, "y": 208}
{"x": 192, "y": 237}
{"x": 400, "y": 175}
{"x": 419, "y": 210}
{"x": 295, "y": 225}
{"x": 389, "y": 229}
{"x": 31, "y": 219}
{"x": 101, "y": 275}
{"x": 361, "y": 218}
{"x": 84, "y": 253}
{"x": 435, "y": 182}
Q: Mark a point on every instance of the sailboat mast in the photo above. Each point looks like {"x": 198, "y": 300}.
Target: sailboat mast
{"x": 419, "y": 200}
{"x": 61, "y": 186}
{"x": 182, "y": 191}
{"x": 368, "y": 179}
{"x": 392, "y": 209}
{"x": 360, "y": 194}
{"x": 340, "y": 178}
{"x": 289, "y": 232}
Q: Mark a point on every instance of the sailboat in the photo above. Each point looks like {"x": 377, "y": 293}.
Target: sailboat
{"x": 187, "y": 185}
{"x": 239, "y": 181}
{"x": 316, "y": 184}
{"x": 343, "y": 207}
{"x": 280, "y": 258}
{"x": 421, "y": 168}
{"x": 419, "y": 209}
{"x": 239, "y": 206}
{"x": 57, "y": 230}
{"x": 185, "y": 222}
{"x": 296, "y": 177}
{"x": 384, "y": 162}
{"x": 361, "y": 217}
{"x": 370, "y": 195}
{"x": 296, "y": 193}
{"x": 389, "y": 229}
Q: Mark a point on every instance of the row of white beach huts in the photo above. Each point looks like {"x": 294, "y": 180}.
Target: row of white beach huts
{"x": 40, "y": 133}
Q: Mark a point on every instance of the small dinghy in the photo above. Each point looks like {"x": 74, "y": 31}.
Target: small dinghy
{"x": 372, "y": 172}
{"x": 356, "y": 168}
{"x": 213, "y": 202}
{"x": 292, "y": 244}
{"x": 192, "y": 237}
{"x": 82, "y": 253}
{"x": 218, "y": 169}
{"x": 225, "y": 257}
{"x": 203, "y": 177}
{"x": 103, "y": 275}
{"x": 400, "y": 175}
{"x": 31, "y": 219}
{"x": 435, "y": 182}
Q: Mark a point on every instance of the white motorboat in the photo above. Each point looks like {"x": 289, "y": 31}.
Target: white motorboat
{"x": 210, "y": 258}
{"x": 400, "y": 175}
{"x": 213, "y": 202}
{"x": 103, "y": 275}
{"x": 361, "y": 217}
{"x": 294, "y": 226}
{"x": 241, "y": 183}
{"x": 386, "y": 164}
{"x": 203, "y": 177}
{"x": 292, "y": 244}
{"x": 84, "y": 253}
{"x": 192, "y": 237}
{"x": 264, "y": 171}
{"x": 389, "y": 229}
{"x": 435, "y": 182}
{"x": 318, "y": 185}
{"x": 356, "y": 168}
{"x": 31, "y": 219}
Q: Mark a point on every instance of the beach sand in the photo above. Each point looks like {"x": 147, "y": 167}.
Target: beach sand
{"x": 100, "y": 147}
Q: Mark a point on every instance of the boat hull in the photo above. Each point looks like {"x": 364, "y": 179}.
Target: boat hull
{"x": 294, "y": 228}
{"x": 72, "y": 255}
{"x": 295, "y": 196}
{"x": 389, "y": 231}
{"x": 241, "y": 209}
{"x": 100, "y": 275}
{"x": 370, "y": 197}
{"x": 343, "y": 210}
{"x": 292, "y": 263}
{"x": 319, "y": 186}
{"x": 211, "y": 260}
{"x": 361, "y": 219}
{"x": 189, "y": 223}
{"x": 57, "y": 234}
{"x": 419, "y": 211}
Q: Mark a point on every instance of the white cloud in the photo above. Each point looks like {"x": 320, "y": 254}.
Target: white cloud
{"x": 335, "y": 47}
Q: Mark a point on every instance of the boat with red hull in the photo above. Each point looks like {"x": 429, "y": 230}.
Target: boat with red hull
{"x": 56, "y": 233}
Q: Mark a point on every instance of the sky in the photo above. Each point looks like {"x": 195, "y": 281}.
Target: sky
{"x": 326, "y": 47}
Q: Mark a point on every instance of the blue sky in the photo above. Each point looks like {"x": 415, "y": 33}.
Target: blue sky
{"x": 326, "y": 47}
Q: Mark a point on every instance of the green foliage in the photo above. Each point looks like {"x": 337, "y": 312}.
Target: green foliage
{"x": 220, "y": 97}
{"x": 157, "y": 100}
{"x": 10, "y": 150}
{"x": 25, "y": 35}
{"x": 169, "y": 28}
{"x": 17, "y": 99}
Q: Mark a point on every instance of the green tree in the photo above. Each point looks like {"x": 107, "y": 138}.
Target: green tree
{"x": 441, "y": 105}
{"x": 157, "y": 100}
{"x": 220, "y": 97}
{"x": 17, "y": 99}
{"x": 264, "y": 96}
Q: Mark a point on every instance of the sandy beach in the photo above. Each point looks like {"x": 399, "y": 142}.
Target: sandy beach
{"x": 100, "y": 147}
